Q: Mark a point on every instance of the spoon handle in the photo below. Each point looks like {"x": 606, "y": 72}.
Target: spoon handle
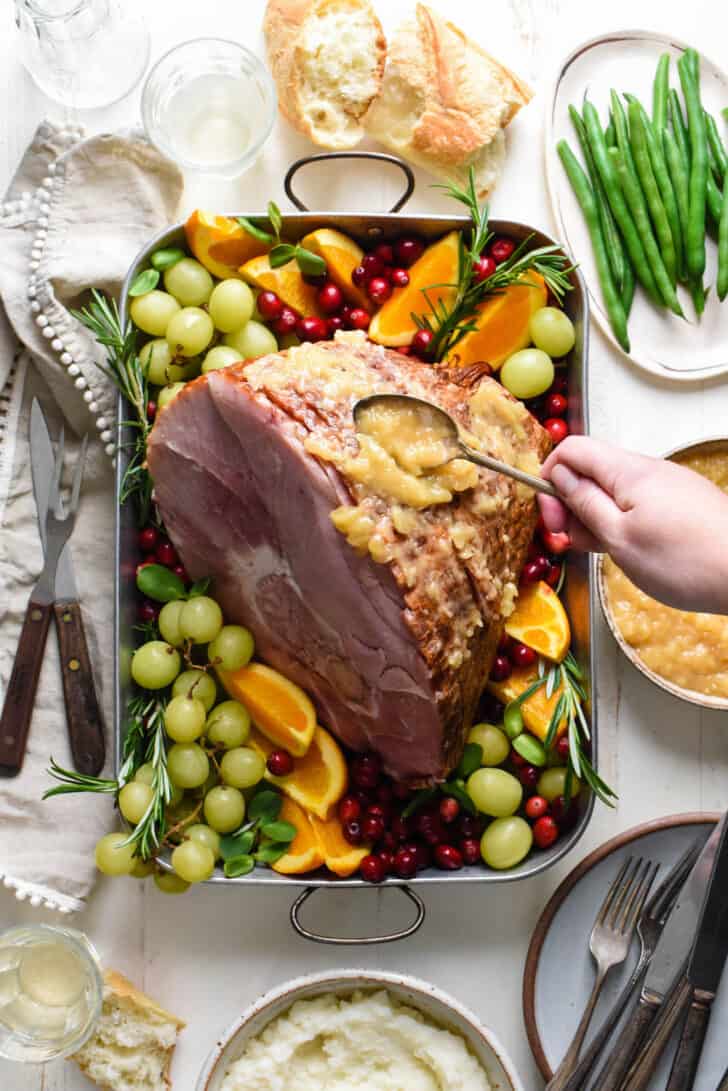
{"x": 537, "y": 483}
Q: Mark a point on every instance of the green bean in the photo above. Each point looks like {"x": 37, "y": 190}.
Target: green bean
{"x": 662, "y": 176}
{"x": 713, "y": 199}
{"x": 612, "y": 240}
{"x": 585, "y": 197}
{"x": 659, "y": 92}
{"x": 722, "y": 282}
{"x": 679, "y": 178}
{"x": 692, "y": 61}
{"x": 636, "y": 204}
{"x": 715, "y": 143}
{"x": 695, "y": 240}
{"x": 650, "y": 189}
{"x": 622, "y": 215}
{"x": 679, "y": 127}
{"x": 621, "y": 128}
{"x": 628, "y": 286}
{"x": 610, "y": 138}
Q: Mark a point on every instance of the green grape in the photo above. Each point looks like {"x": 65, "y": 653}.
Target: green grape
{"x": 152, "y": 312}
{"x": 134, "y": 798}
{"x": 155, "y": 665}
{"x": 196, "y": 683}
{"x": 183, "y": 811}
{"x": 513, "y": 724}
{"x": 193, "y": 861}
{"x": 205, "y": 835}
{"x": 552, "y": 783}
{"x": 231, "y": 305}
{"x": 190, "y": 331}
{"x": 531, "y": 749}
{"x": 506, "y": 842}
{"x": 527, "y": 373}
{"x": 552, "y": 331}
{"x": 188, "y": 765}
{"x": 176, "y": 795}
{"x": 168, "y": 393}
{"x": 113, "y": 857}
{"x": 145, "y": 773}
{"x": 495, "y": 792}
{"x": 492, "y": 741}
{"x": 169, "y": 883}
{"x": 224, "y": 808}
{"x": 228, "y": 725}
{"x": 232, "y": 648}
{"x": 184, "y": 719}
{"x": 189, "y": 282}
{"x": 168, "y": 623}
{"x": 220, "y": 355}
{"x": 254, "y": 339}
{"x": 157, "y": 360}
{"x": 142, "y": 868}
{"x": 242, "y": 767}
{"x": 212, "y": 780}
{"x": 200, "y": 619}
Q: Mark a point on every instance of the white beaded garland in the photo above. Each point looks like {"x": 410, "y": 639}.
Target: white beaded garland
{"x": 66, "y": 359}
{"x": 43, "y": 221}
{"x": 110, "y": 448}
{"x": 105, "y": 435}
{"x": 52, "y": 167}
{"x": 32, "y": 291}
{"x": 34, "y": 264}
{"x": 88, "y": 396}
{"x": 101, "y": 422}
{"x": 74, "y": 369}
{"x": 49, "y": 332}
{"x": 57, "y": 344}
{"x": 41, "y": 320}
{"x": 45, "y": 208}
{"x": 80, "y": 383}
{"x": 35, "y": 306}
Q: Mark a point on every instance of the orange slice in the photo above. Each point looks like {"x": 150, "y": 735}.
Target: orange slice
{"x": 537, "y": 709}
{"x": 286, "y": 281}
{"x": 342, "y": 255}
{"x": 319, "y": 778}
{"x": 339, "y": 856}
{"x": 539, "y": 620}
{"x": 279, "y": 708}
{"x": 220, "y": 244}
{"x": 502, "y": 325}
{"x": 304, "y": 853}
{"x": 437, "y": 273}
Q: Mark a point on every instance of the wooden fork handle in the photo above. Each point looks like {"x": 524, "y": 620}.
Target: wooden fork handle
{"x": 85, "y": 724}
{"x": 687, "y": 1058}
{"x": 627, "y": 1044}
{"x": 642, "y": 1069}
{"x": 22, "y": 685}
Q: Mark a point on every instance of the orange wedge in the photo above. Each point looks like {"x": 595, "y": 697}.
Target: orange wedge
{"x": 220, "y": 244}
{"x": 537, "y": 709}
{"x": 286, "y": 281}
{"x": 319, "y": 778}
{"x": 304, "y": 853}
{"x": 539, "y": 620}
{"x": 339, "y": 856}
{"x": 342, "y": 255}
{"x": 437, "y": 273}
{"x": 502, "y": 325}
{"x": 278, "y": 708}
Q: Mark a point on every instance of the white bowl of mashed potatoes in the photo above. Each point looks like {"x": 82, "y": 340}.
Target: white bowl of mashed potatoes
{"x": 352, "y": 1029}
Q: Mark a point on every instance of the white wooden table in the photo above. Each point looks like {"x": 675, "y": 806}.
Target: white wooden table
{"x": 208, "y": 954}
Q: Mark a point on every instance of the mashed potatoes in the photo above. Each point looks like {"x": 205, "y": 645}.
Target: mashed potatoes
{"x": 367, "y": 1040}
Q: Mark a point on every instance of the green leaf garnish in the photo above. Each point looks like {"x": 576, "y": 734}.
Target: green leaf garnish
{"x": 238, "y": 866}
{"x": 424, "y": 795}
{"x": 274, "y": 215}
{"x": 279, "y": 831}
{"x": 158, "y": 583}
{"x": 471, "y": 760}
{"x": 144, "y": 282}
{"x": 265, "y": 806}
{"x": 272, "y": 852}
{"x": 281, "y": 254}
{"x": 457, "y": 791}
{"x": 239, "y": 844}
{"x": 257, "y": 232}
{"x": 310, "y": 264}
{"x": 199, "y": 587}
{"x": 166, "y": 258}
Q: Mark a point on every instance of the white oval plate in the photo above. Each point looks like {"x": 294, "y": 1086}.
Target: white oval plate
{"x": 661, "y": 343}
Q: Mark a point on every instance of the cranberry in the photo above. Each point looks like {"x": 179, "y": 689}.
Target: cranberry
{"x": 279, "y": 763}
{"x": 359, "y": 276}
{"x": 379, "y": 290}
{"x": 286, "y": 322}
{"x": 560, "y": 385}
{"x": 449, "y": 809}
{"x": 553, "y": 575}
{"x": 181, "y": 571}
{"x": 536, "y": 807}
{"x": 422, "y": 342}
{"x": 166, "y": 554}
{"x": 372, "y": 827}
{"x": 501, "y": 250}
{"x": 523, "y": 656}
{"x": 408, "y": 250}
{"x": 564, "y": 814}
{"x": 401, "y": 791}
{"x": 422, "y": 853}
{"x": 556, "y": 541}
{"x": 405, "y": 863}
{"x": 147, "y": 610}
{"x": 505, "y": 644}
{"x": 518, "y": 761}
{"x": 448, "y": 858}
{"x": 329, "y": 297}
{"x": 385, "y": 793}
{"x": 535, "y": 570}
{"x": 501, "y": 669}
{"x": 353, "y": 832}
{"x": 388, "y": 842}
{"x": 312, "y": 328}
{"x": 366, "y": 771}
{"x": 387, "y": 858}
{"x": 372, "y": 869}
{"x": 545, "y": 832}
{"x": 151, "y": 410}
{"x": 401, "y": 827}
{"x": 148, "y": 539}
{"x": 336, "y": 322}
{"x": 483, "y": 268}
{"x": 528, "y": 777}
{"x": 359, "y": 319}
{"x": 270, "y": 306}
{"x": 399, "y": 277}
{"x": 469, "y": 826}
{"x": 349, "y": 809}
{"x": 404, "y": 350}
{"x": 557, "y": 428}
{"x": 562, "y": 747}
{"x": 555, "y": 405}
{"x": 470, "y": 850}
{"x": 432, "y": 830}
{"x": 372, "y": 266}
{"x": 384, "y": 253}
{"x": 381, "y": 810}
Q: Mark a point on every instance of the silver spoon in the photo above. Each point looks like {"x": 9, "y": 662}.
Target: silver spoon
{"x": 455, "y": 448}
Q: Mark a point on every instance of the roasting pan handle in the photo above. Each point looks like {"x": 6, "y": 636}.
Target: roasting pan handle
{"x": 356, "y": 941}
{"x": 381, "y": 157}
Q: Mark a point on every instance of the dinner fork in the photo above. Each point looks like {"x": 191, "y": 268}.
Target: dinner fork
{"x": 23, "y": 682}
{"x": 609, "y": 944}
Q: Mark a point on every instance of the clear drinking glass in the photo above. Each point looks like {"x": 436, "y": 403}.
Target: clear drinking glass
{"x": 210, "y": 105}
{"x": 51, "y": 992}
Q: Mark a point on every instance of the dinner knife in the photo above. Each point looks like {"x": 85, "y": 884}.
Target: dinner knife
{"x": 705, "y": 969}
{"x": 83, "y": 715}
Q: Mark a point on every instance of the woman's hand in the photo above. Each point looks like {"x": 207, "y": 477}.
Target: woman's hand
{"x": 664, "y": 525}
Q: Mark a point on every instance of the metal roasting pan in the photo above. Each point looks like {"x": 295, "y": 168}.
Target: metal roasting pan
{"x": 580, "y": 583}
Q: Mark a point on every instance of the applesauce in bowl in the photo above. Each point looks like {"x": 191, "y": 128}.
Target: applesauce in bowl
{"x": 683, "y": 652}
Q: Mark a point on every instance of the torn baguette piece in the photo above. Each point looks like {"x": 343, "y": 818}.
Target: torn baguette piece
{"x": 444, "y": 102}
{"x": 327, "y": 59}
{"x": 131, "y": 1048}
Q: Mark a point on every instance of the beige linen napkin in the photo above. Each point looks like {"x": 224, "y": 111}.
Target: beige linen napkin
{"x": 75, "y": 215}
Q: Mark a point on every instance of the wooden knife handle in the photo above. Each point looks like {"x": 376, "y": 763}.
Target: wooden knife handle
{"x": 687, "y": 1058}
{"x": 672, "y": 1009}
{"x": 723, "y": 1085}
{"x": 22, "y": 684}
{"x": 627, "y": 1045}
{"x": 85, "y": 724}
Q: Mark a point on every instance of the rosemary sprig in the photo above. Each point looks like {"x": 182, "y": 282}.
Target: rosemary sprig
{"x": 449, "y": 325}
